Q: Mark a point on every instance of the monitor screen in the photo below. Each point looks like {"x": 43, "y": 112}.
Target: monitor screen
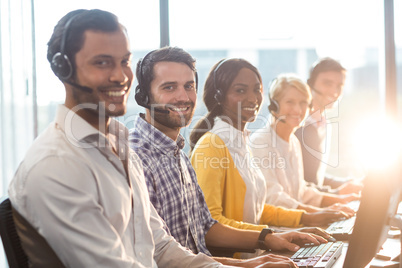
{"x": 379, "y": 203}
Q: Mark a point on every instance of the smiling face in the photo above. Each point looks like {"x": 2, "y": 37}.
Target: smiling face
{"x": 327, "y": 89}
{"x": 173, "y": 89}
{"x": 293, "y": 108}
{"x": 104, "y": 65}
{"x": 243, "y": 99}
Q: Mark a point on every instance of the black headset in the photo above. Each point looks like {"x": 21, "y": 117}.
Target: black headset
{"x": 141, "y": 94}
{"x": 219, "y": 97}
{"x": 61, "y": 64}
{"x": 273, "y": 106}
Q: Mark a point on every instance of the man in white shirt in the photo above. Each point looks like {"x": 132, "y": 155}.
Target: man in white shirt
{"x": 80, "y": 186}
{"x": 326, "y": 81}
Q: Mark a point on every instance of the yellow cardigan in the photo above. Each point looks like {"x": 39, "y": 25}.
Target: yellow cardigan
{"x": 225, "y": 190}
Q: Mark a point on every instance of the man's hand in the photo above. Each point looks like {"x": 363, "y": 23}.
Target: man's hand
{"x": 317, "y": 231}
{"x": 346, "y": 198}
{"x": 330, "y": 199}
{"x": 352, "y": 187}
{"x": 340, "y": 207}
{"x": 291, "y": 240}
{"x": 323, "y": 217}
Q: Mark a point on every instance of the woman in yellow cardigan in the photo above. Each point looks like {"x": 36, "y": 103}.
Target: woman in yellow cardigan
{"x": 233, "y": 186}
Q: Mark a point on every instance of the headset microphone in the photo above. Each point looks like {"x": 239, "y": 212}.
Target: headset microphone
{"x": 155, "y": 109}
{"x": 142, "y": 99}
{"x": 82, "y": 88}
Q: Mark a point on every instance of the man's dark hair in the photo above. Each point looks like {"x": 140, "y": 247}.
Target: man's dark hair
{"x": 324, "y": 65}
{"x": 145, "y": 67}
{"x": 81, "y": 21}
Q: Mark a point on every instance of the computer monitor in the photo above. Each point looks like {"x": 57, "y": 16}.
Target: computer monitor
{"x": 378, "y": 205}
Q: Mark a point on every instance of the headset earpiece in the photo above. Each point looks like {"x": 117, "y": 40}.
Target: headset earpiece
{"x": 61, "y": 64}
{"x": 219, "y": 97}
{"x": 140, "y": 96}
{"x": 196, "y": 81}
{"x": 273, "y": 106}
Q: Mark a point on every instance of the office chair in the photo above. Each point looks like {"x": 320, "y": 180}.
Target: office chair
{"x": 15, "y": 254}
{"x": 16, "y": 231}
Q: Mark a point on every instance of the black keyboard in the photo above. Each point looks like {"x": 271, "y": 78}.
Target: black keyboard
{"x": 341, "y": 230}
{"x": 322, "y": 256}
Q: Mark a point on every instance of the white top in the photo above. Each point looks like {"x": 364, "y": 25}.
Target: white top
{"x": 281, "y": 163}
{"x": 75, "y": 191}
{"x": 237, "y": 143}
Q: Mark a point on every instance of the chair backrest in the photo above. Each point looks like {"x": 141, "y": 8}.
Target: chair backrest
{"x": 40, "y": 253}
{"x": 15, "y": 254}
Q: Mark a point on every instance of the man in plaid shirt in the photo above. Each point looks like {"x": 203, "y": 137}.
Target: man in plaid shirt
{"x": 167, "y": 83}
{"x": 178, "y": 201}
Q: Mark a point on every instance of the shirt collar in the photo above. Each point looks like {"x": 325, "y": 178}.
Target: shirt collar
{"x": 228, "y": 133}
{"x": 78, "y": 131}
{"x": 157, "y": 138}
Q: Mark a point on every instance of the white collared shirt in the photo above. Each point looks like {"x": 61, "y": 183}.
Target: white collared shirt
{"x": 75, "y": 191}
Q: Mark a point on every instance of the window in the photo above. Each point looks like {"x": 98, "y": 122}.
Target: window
{"x": 275, "y": 36}
{"x": 17, "y": 107}
{"x": 288, "y": 36}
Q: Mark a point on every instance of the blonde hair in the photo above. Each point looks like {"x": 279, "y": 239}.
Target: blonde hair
{"x": 283, "y": 81}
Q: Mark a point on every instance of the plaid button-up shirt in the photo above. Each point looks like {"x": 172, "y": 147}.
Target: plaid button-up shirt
{"x": 172, "y": 185}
